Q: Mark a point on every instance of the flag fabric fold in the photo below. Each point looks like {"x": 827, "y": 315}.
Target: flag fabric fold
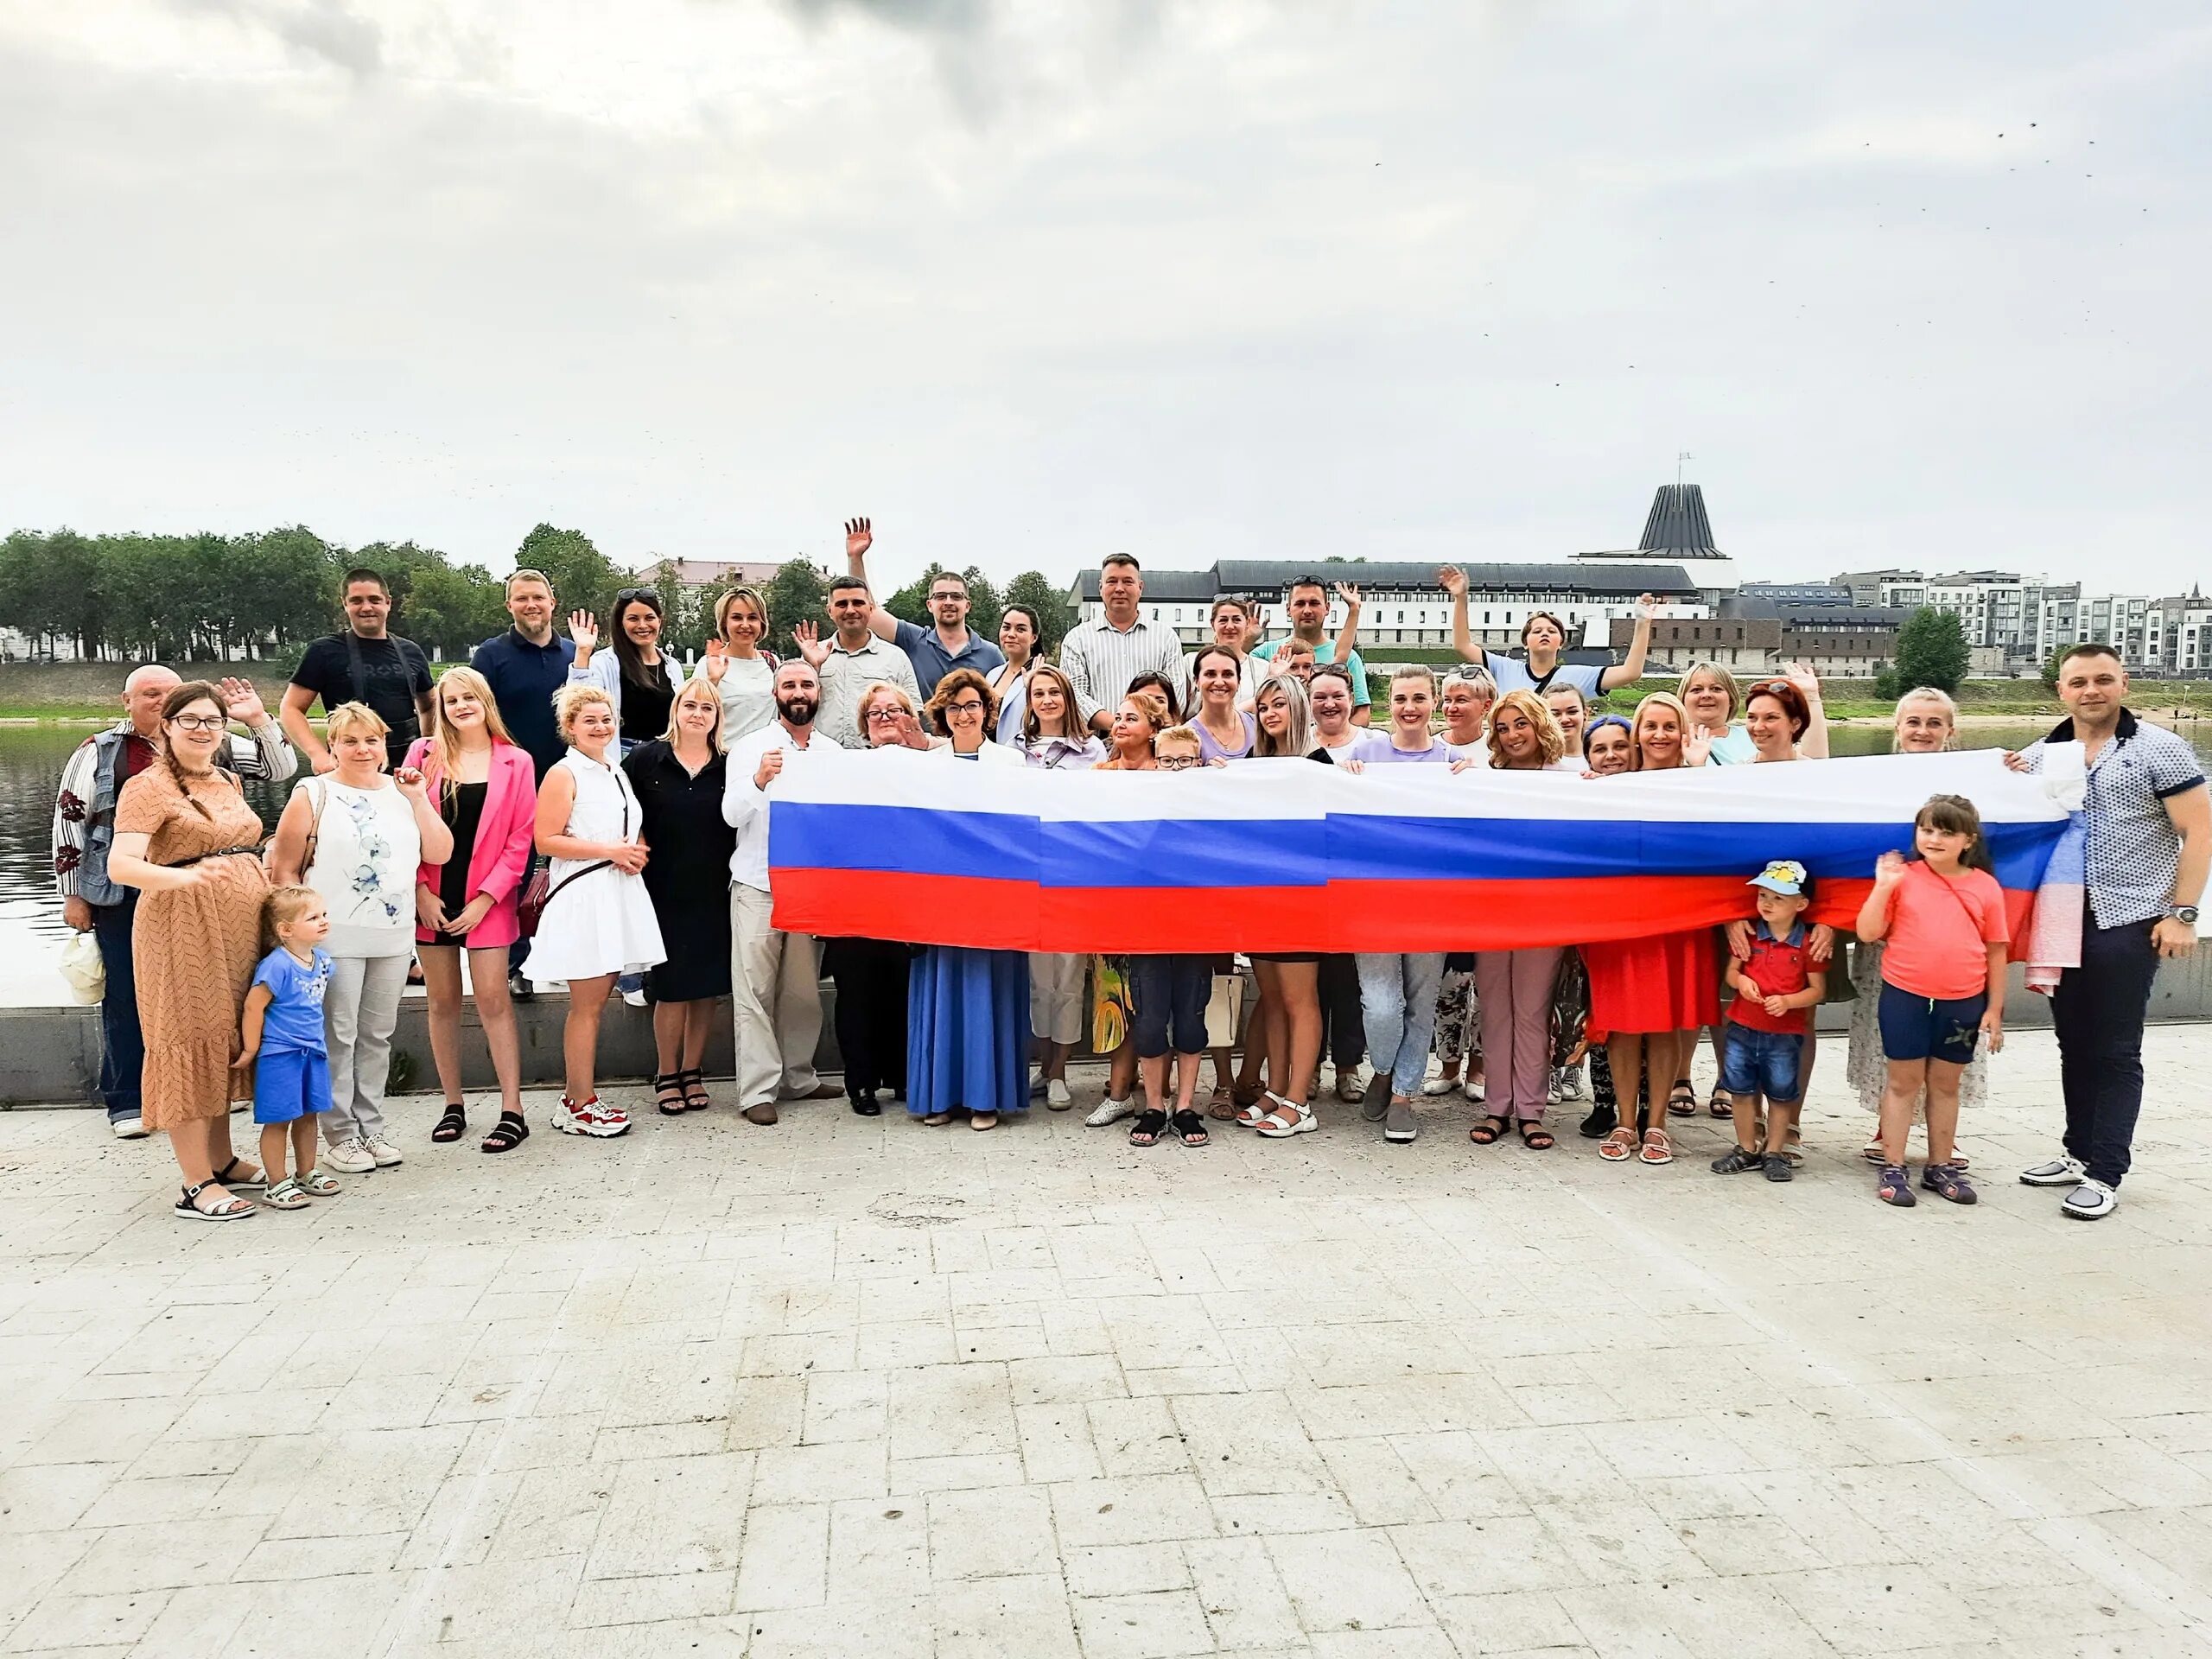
{"x": 1287, "y": 855}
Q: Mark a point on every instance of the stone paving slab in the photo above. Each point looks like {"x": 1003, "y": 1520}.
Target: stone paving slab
{"x": 857, "y": 1388}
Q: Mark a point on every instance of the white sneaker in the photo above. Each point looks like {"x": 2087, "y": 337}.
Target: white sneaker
{"x": 1570, "y": 1081}
{"x": 2059, "y": 1172}
{"x": 593, "y": 1118}
{"x": 1439, "y": 1085}
{"x": 636, "y": 999}
{"x": 349, "y": 1157}
{"x": 2091, "y": 1201}
{"x": 383, "y": 1152}
{"x": 1110, "y": 1111}
{"x": 129, "y": 1128}
{"x": 1056, "y": 1096}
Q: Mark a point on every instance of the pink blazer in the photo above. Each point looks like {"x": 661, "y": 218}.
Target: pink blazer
{"x": 503, "y": 837}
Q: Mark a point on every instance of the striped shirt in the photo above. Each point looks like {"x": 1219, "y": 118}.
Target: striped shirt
{"x": 1100, "y": 660}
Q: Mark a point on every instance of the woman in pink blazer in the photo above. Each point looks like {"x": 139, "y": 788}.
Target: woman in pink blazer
{"x": 486, "y": 790}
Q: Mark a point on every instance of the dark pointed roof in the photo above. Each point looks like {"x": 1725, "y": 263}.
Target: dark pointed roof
{"x": 1678, "y": 527}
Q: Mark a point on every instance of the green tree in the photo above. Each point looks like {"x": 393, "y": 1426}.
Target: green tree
{"x": 1931, "y": 650}
{"x": 584, "y": 577}
{"x": 985, "y": 607}
{"x": 2051, "y": 666}
{"x": 797, "y": 594}
{"x": 1054, "y": 615}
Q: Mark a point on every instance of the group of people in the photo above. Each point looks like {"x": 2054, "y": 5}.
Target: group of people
{"x": 562, "y": 813}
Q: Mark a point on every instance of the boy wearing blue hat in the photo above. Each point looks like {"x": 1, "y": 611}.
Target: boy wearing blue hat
{"x": 1774, "y": 988}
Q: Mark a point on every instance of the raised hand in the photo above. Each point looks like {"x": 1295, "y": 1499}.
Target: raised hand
{"x": 583, "y": 628}
{"x": 859, "y": 536}
{"x": 717, "y": 659}
{"x": 1348, "y": 593}
{"x": 1453, "y": 580}
{"x": 411, "y": 783}
{"x": 811, "y": 645}
{"x": 1646, "y": 604}
{"x": 1697, "y": 748}
{"x": 1255, "y": 627}
{"x": 1807, "y": 683}
{"x": 1889, "y": 868}
{"x": 242, "y": 703}
{"x": 910, "y": 731}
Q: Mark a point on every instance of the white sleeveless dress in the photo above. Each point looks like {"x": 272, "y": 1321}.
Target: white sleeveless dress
{"x": 601, "y": 923}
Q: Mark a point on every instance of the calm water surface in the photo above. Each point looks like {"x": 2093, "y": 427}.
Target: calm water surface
{"x": 31, "y": 758}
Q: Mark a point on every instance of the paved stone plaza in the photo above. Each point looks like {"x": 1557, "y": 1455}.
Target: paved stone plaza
{"x": 862, "y": 1388}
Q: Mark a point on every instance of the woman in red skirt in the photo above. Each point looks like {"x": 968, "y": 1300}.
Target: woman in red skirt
{"x": 1649, "y": 997}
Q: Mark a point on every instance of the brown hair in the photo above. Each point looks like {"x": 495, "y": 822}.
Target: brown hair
{"x": 1954, "y": 815}
{"x": 860, "y": 715}
{"x": 729, "y": 602}
{"x": 959, "y": 680}
{"x": 1535, "y": 617}
{"x": 281, "y": 908}
{"x": 1793, "y": 706}
{"x": 175, "y": 704}
{"x": 1071, "y": 719}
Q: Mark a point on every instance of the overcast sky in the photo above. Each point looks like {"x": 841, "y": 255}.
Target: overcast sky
{"x": 1029, "y": 281}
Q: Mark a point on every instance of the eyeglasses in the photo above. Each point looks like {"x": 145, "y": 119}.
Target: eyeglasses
{"x": 971, "y": 707}
{"x": 884, "y": 716}
{"x": 1178, "y": 762}
{"x": 201, "y": 722}
{"x": 947, "y": 594}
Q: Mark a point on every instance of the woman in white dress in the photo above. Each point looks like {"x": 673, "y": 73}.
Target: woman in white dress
{"x": 357, "y": 837}
{"x": 742, "y": 674}
{"x": 597, "y": 920}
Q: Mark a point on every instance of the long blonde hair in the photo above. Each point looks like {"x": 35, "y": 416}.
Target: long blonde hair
{"x": 1655, "y": 700}
{"x": 445, "y": 743}
{"x": 1551, "y": 742}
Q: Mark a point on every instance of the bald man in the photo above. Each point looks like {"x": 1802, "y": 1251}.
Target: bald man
{"x": 83, "y": 828}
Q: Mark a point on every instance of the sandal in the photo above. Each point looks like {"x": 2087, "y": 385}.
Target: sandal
{"x": 1736, "y": 1161}
{"x": 229, "y": 1207}
{"x": 1681, "y": 1099}
{"x": 1534, "y": 1136}
{"x": 228, "y": 1176}
{"x": 1721, "y": 1104}
{"x": 320, "y": 1183}
{"x": 1619, "y": 1146}
{"x": 507, "y": 1133}
{"x": 1189, "y": 1125}
{"x": 1489, "y": 1130}
{"x": 1222, "y": 1108}
{"x": 1287, "y": 1119}
{"x": 693, "y": 1082}
{"x": 668, "y": 1094}
{"x": 1945, "y": 1181}
{"x": 286, "y": 1194}
{"x": 1247, "y": 1093}
{"x": 453, "y": 1125}
{"x": 1259, "y": 1112}
{"x": 1145, "y": 1132}
{"x": 1657, "y": 1149}
{"x": 1895, "y": 1187}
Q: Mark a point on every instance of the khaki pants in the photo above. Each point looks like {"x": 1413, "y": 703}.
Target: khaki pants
{"x": 775, "y": 997}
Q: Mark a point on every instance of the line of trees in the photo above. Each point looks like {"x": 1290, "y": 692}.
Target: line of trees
{"x": 232, "y": 598}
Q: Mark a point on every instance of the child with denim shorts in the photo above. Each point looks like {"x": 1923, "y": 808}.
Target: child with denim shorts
{"x": 281, "y": 1036}
{"x": 1764, "y": 1054}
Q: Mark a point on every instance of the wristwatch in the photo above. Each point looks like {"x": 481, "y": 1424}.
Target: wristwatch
{"x": 2183, "y": 914}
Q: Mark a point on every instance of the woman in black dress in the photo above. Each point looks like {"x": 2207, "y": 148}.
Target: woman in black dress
{"x": 678, "y": 781}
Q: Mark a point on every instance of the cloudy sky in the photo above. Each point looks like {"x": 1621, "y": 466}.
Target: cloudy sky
{"x": 1029, "y": 281}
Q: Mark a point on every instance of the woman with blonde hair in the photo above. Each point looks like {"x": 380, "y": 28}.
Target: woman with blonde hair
{"x": 1286, "y": 1029}
{"x": 483, "y": 787}
{"x": 742, "y": 674}
{"x": 597, "y": 920}
{"x": 678, "y": 779}
{"x": 357, "y": 838}
{"x": 1054, "y": 739}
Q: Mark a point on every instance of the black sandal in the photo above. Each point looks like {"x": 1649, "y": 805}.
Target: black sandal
{"x": 1681, "y": 1099}
{"x": 228, "y": 1176}
{"x": 507, "y": 1133}
{"x": 1489, "y": 1130}
{"x": 453, "y": 1125}
{"x": 1145, "y": 1132}
{"x": 668, "y": 1094}
{"x": 694, "y": 1081}
{"x": 1191, "y": 1127}
{"x": 1534, "y": 1136}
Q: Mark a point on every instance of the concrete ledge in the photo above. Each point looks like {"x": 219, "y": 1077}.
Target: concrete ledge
{"x": 51, "y": 1057}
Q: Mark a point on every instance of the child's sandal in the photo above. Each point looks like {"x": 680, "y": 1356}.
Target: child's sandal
{"x": 1945, "y": 1182}
{"x": 1619, "y": 1146}
{"x": 1895, "y": 1187}
{"x": 320, "y": 1183}
{"x": 285, "y": 1195}
{"x": 507, "y": 1133}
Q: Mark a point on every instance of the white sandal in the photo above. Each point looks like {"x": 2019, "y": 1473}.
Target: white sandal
{"x": 286, "y": 1194}
{"x": 233, "y": 1208}
{"x": 1287, "y": 1120}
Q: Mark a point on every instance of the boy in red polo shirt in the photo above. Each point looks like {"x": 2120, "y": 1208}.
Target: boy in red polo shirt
{"x": 1768, "y": 1020}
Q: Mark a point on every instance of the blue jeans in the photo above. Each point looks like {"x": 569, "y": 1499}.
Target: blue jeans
{"x": 1397, "y": 1003}
{"x": 1758, "y": 1062}
{"x": 1170, "y": 993}
{"x": 122, "y": 1048}
{"x": 2098, "y": 1010}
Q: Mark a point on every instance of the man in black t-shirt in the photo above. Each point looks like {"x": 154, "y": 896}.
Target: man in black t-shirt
{"x": 362, "y": 664}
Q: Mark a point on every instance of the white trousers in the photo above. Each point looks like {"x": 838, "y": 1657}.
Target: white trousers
{"x": 361, "y": 1007}
{"x": 775, "y": 996}
{"x": 1056, "y": 994}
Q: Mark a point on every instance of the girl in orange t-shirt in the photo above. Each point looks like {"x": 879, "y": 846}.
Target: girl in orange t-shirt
{"x": 1942, "y": 984}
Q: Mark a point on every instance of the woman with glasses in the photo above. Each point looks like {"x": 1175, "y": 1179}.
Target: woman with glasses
{"x": 872, "y": 976}
{"x": 186, "y": 840}
{"x": 741, "y": 672}
{"x": 638, "y": 677}
{"x": 678, "y": 779}
{"x": 967, "y": 1010}
{"x": 1543, "y": 637}
{"x": 1054, "y": 739}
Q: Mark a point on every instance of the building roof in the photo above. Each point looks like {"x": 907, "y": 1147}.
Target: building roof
{"x": 1677, "y": 527}
{"x": 1272, "y": 575}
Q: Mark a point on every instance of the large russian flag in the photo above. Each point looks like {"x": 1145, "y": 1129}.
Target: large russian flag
{"x": 1287, "y": 855}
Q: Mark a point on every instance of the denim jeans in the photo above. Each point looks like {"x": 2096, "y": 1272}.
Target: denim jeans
{"x": 1171, "y": 993}
{"x": 122, "y": 1048}
{"x": 2098, "y": 1010}
{"x": 1397, "y": 1003}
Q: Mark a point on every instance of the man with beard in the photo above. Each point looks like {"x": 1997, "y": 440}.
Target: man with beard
{"x": 365, "y": 663}
{"x": 775, "y": 981}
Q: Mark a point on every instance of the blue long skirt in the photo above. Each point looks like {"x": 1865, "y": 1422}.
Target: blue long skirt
{"x": 968, "y": 1031}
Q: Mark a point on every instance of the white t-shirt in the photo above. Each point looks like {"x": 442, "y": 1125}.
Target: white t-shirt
{"x": 748, "y": 691}
{"x": 366, "y": 852}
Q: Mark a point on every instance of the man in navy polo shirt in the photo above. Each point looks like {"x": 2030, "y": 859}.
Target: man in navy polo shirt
{"x": 934, "y": 652}
{"x": 526, "y": 667}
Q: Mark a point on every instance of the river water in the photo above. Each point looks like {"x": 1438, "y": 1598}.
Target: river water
{"x": 31, "y": 756}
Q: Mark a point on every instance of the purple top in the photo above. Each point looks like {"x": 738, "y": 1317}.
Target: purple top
{"x": 1209, "y": 750}
{"x": 1380, "y": 751}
